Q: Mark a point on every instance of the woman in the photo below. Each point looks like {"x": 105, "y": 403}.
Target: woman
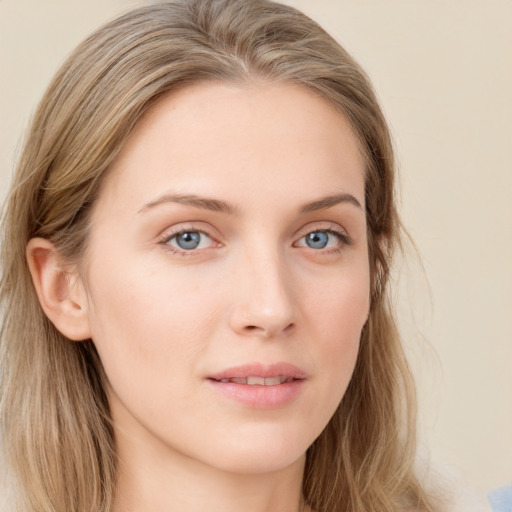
{"x": 196, "y": 254}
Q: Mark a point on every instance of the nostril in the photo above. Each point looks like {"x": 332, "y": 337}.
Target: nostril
{"x": 289, "y": 327}
{"x": 268, "y": 332}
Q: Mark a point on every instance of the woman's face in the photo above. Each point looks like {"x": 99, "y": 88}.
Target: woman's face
{"x": 227, "y": 275}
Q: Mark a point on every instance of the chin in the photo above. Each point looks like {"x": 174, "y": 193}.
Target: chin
{"x": 263, "y": 453}
{"x": 253, "y": 464}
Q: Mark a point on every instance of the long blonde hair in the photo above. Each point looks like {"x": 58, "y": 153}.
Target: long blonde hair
{"x": 54, "y": 412}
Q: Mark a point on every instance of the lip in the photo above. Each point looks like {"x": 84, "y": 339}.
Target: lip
{"x": 280, "y": 369}
{"x": 260, "y": 396}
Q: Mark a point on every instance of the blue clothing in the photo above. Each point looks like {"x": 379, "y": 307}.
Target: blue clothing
{"x": 501, "y": 499}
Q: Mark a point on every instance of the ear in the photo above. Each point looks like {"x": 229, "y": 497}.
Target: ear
{"x": 61, "y": 292}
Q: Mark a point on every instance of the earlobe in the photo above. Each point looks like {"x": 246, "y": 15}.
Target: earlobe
{"x": 60, "y": 292}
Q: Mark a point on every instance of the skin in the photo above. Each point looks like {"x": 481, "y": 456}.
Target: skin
{"x": 164, "y": 318}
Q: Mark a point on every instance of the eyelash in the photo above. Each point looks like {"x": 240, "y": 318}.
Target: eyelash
{"x": 164, "y": 241}
{"x": 343, "y": 238}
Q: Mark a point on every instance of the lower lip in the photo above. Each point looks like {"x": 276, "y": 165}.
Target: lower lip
{"x": 260, "y": 397}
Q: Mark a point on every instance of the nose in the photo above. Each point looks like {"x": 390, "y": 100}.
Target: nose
{"x": 263, "y": 304}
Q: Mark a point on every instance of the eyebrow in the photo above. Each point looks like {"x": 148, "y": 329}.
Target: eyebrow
{"x": 205, "y": 203}
{"x": 329, "y": 202}
{"x": 217, "y": 205}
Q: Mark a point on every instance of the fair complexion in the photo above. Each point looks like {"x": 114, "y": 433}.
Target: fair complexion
{"x": 230, "y": 233}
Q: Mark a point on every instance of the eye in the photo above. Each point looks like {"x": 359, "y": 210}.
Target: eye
{"x": 321, "y": 239}
{"x": 190, "y": 240}
{"x": 317, "y": 239}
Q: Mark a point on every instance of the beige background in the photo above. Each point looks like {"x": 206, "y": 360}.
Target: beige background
{"x": 443, "y": 71}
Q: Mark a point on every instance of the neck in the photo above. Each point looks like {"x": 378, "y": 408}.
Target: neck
{"x": 156, "y": 479}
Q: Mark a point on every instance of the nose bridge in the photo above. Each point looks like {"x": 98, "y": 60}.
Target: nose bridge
{"x": 264, "y": 303}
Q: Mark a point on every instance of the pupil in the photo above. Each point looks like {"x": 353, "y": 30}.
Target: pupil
{"x": 317, "y": 239}
{"x": 188, "y": 240}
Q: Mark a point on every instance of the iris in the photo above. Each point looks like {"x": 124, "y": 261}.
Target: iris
{"x": 317, "y": 239}
{"x": 188, "y": 240}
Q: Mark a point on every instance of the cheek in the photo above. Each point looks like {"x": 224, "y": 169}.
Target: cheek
{"x": 150, "y": 331}
{"x": 341, "y": 304}
{"x": 145, "y": 321}
{"x": 340, "y": 313}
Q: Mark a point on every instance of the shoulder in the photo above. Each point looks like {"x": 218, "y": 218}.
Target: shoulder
{"x": 450, "y": 490}
{"x": 466, "y": 500}
{"x": 501, "y": 499}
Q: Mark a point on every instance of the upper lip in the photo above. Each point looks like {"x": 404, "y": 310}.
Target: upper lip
{"x": 280, "y": 369}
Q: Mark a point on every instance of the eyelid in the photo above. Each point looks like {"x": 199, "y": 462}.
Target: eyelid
{"x": 178, "y": 229}
{"x": 323, "y": 226}
{"x": 183, "y": 227}
{"x": 330, "y": 227}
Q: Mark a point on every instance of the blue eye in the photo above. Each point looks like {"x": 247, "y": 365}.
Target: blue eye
{"x": 189, "y": 240}
{"x": 325, "y": 239}
{"x": 317, "y": 239}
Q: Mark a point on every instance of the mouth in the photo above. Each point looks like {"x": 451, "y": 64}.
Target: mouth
{"x": 259, "y": 381}
{"x": 260, "y": 386}
{"x": 259, "y": 374}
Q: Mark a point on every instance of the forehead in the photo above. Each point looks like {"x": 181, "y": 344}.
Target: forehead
{"x": 211, "y": 136}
